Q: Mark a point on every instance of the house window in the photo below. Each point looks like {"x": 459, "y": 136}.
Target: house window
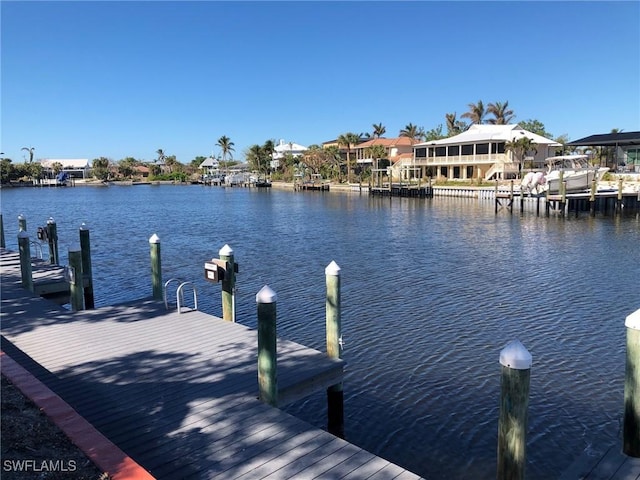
{"x": 497, "y": 147}
{"x": 421, "y": 152}
{"x": 456, "y": 172}
{"x": 454, "y": 150}
{"x": 467, "y": 149}
{"x": 482, "y": 148}
{"x": 441, "y": 151}
{"x": 469, "y": 171}
{"x": 444, "y": 172}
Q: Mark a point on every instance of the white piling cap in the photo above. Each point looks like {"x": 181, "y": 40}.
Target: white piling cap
{"x": 633, "y": 320}
{"x": 332, "y": 269}
{"x": 266, "y": 295}
{"x": 84, "y": 226}
{"x": 50, "y": 221}
{"x": 23, "y": 234}
{"x": 515, "y": 356}
{"x": 21, "y": 217}
{"x": 154, "y": 239}
{"x": 226, "y": 251}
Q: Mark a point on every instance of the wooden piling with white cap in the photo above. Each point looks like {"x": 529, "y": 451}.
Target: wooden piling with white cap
{"x": 514, "y": 402}
{"x": 228, "y": 284}
{"x": 631, "y": 429}
{"x": 266, "y": 300}
{"x": 335, "y": 393}
{"x": 156, "y": 267}
{"x": 76, "y": 280}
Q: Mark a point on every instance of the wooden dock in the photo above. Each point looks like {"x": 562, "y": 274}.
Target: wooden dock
{"x": 311, "y": 186}
{"x": 398, "y": 190}
{"x": 178, "y": 392}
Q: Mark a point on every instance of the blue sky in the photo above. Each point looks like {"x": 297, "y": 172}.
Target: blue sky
{"x": 116, "y": 79}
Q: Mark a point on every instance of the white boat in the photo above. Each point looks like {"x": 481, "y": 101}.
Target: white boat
{"x": 576, "y": 172}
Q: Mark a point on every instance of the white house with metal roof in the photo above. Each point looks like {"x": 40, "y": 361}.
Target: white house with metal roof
{"x": 210, "y": 166}
{"x": 74, "y": 167}
{"x": 479, "y": 152}
{"x": 286, "y": 148}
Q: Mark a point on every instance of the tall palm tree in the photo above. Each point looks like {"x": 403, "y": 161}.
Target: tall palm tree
{"x": 454, "y": 126}
{"x": 161, "y": 156}
{"x": 476, "y": 112}
{"x": 226, "y": 145}
{"x": 348, "y": 140}
{"x": 378, "y": 130}
{"x": 520, "y": 147}
{"x": 501, "y": 113}
{"x": 414, "y": 132}
{"x": 30, "y": 150}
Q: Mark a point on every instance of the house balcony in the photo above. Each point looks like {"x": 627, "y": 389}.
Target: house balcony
{"x": 463, "y": 159}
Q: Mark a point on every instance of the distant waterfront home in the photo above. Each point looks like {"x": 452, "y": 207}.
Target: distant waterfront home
{"x": 623, "y": 153}
{"x": 210, "y": 166}
{"x": 394, "y": 149}
{"x": 286, "y": 148}
{"x": 74, "y": 167}
{"x": 479, "y": 152}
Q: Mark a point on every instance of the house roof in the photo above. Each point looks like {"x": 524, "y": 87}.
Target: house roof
{"x": 67, "y": 163}
{"x": 386, "y": 142}
{"x": 209, "y": 162}
{"x": 284, "y": 147}
{"x": 490, "y": 133}
{"x": 606, "y": 139}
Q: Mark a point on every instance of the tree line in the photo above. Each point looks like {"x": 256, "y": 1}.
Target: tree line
{"x": 332, "y": 161}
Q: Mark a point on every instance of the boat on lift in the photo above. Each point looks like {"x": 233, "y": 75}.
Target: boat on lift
{"x": 576, "y": 172}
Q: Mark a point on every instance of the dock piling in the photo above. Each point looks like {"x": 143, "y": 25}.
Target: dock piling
{"x": 514, "y": 401}
{"x": 335, "y": 393}
{"x": 156, "y": 267}
{"x": 619, "y": 204}
{"x": 228, "y": 284}
{"x": 631, "y": 440}
{"x": 266, "y": 299}
{"x": 85, "y": 247}
{"x": 25, "y": 260}
{"x": 52, "y": 236}
{"x": 2, "y": 242}
{"x": 22, "y": 223}
{"x": 76, "y": 280}
{"x": 592, "y": 198}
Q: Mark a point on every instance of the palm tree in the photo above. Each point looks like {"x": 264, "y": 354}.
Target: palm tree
{"x": 378, "y": 130}
{"x": 454, "y": 126}
{"x": 476, "y": 112}
{"x": 414, "y": 132}
{"x": 268, "y": 149}
{"x": 30, "y": 150}
{"x": 501, "y": 113}
{"x": 520, "y": 148}
{"x": 348, "y": 140}
{"x": 226, "y": 145}
{"x": 161, "y": 156}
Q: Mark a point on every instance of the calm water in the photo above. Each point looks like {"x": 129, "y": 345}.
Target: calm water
{"x": 432, "y": 290}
